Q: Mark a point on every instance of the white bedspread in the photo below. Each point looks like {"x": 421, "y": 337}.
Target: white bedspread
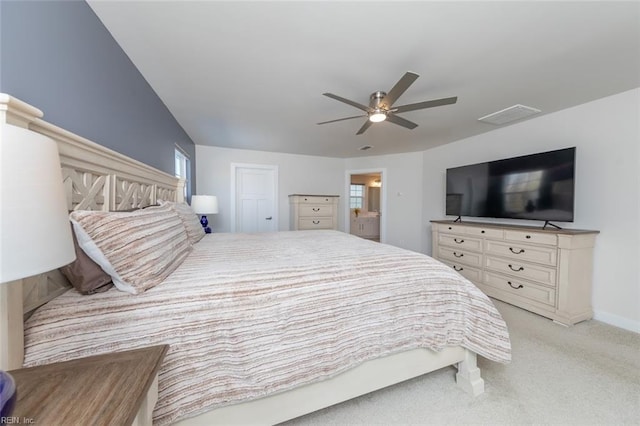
{"x": 247, "y": 315}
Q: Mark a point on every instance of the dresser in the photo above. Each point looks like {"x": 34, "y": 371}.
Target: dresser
{"x": 313, "y": 211}
{"x": 546, "y": 271}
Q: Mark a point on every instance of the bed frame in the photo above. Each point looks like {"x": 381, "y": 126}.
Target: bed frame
{"x": 97, "y": 178}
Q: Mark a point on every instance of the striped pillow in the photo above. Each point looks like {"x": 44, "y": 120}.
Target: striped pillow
{"x": 189, "y": 220}
{"x": 137, "y": 249}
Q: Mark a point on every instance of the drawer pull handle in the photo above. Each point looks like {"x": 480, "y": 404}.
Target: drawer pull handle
{"x": 482, "y": 232}
{"x": 449, "y": 227}
{"x": 528, "y": 236}
{"x": 316, "y": 222}
{"x": 458, "y": 269}
{"x": 458, "y": 255}
{"x": 516, "y": 252}
{"x": 315, "y": 209}
{"x": 458, "y": 241}
{"x": 512, "y": 286}
{"x": 517, "y": 270}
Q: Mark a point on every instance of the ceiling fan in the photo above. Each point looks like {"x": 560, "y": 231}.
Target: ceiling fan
{"x": 381, "y": 105}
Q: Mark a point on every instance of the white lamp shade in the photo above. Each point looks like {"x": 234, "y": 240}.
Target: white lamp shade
{"x": 35, "y": 234}
{"x": 204, "y": 204}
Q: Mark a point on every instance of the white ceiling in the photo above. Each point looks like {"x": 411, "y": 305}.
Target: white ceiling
{"x": 250, "y": 75}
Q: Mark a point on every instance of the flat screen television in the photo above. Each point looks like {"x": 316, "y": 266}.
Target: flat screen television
{"x": 534, "y": 187}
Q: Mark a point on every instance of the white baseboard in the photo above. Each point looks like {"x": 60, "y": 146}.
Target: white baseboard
{"x": 617, "y": 321}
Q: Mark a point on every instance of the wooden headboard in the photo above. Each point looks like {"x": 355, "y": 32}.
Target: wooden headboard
{"x": 95, "y": 178}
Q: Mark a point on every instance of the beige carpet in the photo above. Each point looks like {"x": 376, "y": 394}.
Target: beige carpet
{"x": 588, "y": 374}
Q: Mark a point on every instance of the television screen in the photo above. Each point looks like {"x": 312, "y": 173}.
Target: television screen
{"x": 535, "y": 187}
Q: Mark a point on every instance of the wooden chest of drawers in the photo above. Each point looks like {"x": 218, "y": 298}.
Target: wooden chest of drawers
{"x": 313, "y": 212}
{"x": 544, "y": 271}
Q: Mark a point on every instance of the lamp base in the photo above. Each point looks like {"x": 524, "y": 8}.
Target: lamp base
{"x": 204, "y": 222}
{"x": 8, "y": 395}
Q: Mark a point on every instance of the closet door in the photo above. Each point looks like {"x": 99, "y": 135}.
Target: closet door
{"x": 255, "y": 189}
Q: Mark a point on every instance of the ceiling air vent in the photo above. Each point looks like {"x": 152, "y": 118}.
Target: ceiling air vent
{"x": 364, "y": 148}
{"x": 508, "y": 115}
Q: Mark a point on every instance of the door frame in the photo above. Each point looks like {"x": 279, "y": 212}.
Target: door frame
{"x": 234, "y": 169}
{"x": 383, "y": 199}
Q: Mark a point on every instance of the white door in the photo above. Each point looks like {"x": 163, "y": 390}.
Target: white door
{"x": 255, "y": 194}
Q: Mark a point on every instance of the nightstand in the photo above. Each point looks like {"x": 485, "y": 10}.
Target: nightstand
{"x": 119, "y": 388}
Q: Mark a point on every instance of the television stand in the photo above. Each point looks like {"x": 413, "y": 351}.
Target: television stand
{"x": 459, "y": 219}
{"x": 543, "y": 271}
{"x": 547, "y": 223}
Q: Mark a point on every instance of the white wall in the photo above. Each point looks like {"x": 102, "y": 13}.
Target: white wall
{"x": 402, "y": 184}
{"x": 606, "y": 133}
{"x": 296, "y": 174}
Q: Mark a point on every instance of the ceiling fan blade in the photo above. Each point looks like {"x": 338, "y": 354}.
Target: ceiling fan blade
{"x": 401, "y": 121}
{"x": 342, "y": 119}
{"x": 347, "y": 101}
{"x": 364, "y": 127}
{"x": 401, "y": 86}
{"x": 425, "y": 104}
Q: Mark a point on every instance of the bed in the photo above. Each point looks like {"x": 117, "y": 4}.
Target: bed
{"x": 262, "y": 328}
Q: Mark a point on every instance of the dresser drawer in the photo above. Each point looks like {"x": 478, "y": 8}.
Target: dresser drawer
{"x": 460, "y": 256}
{"x": 521, "y": 288}
{"x": 523, "y": 252}
{"x": 452, "y": 229}
{"x": 316, "y": 210}
{"x": 538, "y": 273}
{"x": 531, "y": 237}
{"x": 485, "y": 232}
{"x": 460, "y": 241}
{"x": 474, "y": 231}
{"x": 315, "y": 199}
{"x": 470, "y": 273}
{"x": 319, "y": 223}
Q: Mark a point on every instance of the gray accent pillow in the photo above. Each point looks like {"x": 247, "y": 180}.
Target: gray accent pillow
{"x": 84, "y": 274}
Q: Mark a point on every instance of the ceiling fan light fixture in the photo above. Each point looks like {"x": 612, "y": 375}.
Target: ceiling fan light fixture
{"x": 377, "y": 116}
{"x": 381, "y": 105}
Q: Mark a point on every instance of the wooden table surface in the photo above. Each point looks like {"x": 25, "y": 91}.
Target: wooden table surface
{"x": 99, "y": 390}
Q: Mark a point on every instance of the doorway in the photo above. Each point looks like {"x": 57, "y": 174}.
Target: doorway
{"x": 365, "y": 204}
{"x": 254, "y": 193}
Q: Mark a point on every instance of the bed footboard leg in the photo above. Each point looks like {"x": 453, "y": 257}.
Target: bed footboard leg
{"x": 468, "y": 376}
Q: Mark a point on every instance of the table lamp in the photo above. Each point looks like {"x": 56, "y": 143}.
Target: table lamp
{"x": 204, "y": 205}
{"x": 35, "y": 235}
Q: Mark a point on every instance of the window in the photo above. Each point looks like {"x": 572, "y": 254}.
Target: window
{"x": 356, "y": 196}
{"x": 183, "y": 170}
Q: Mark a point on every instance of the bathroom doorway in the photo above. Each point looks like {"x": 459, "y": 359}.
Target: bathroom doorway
{"x": 365, "y": 203}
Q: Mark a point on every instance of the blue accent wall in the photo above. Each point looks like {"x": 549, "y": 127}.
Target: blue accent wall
{"x": 59, "y": 57}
